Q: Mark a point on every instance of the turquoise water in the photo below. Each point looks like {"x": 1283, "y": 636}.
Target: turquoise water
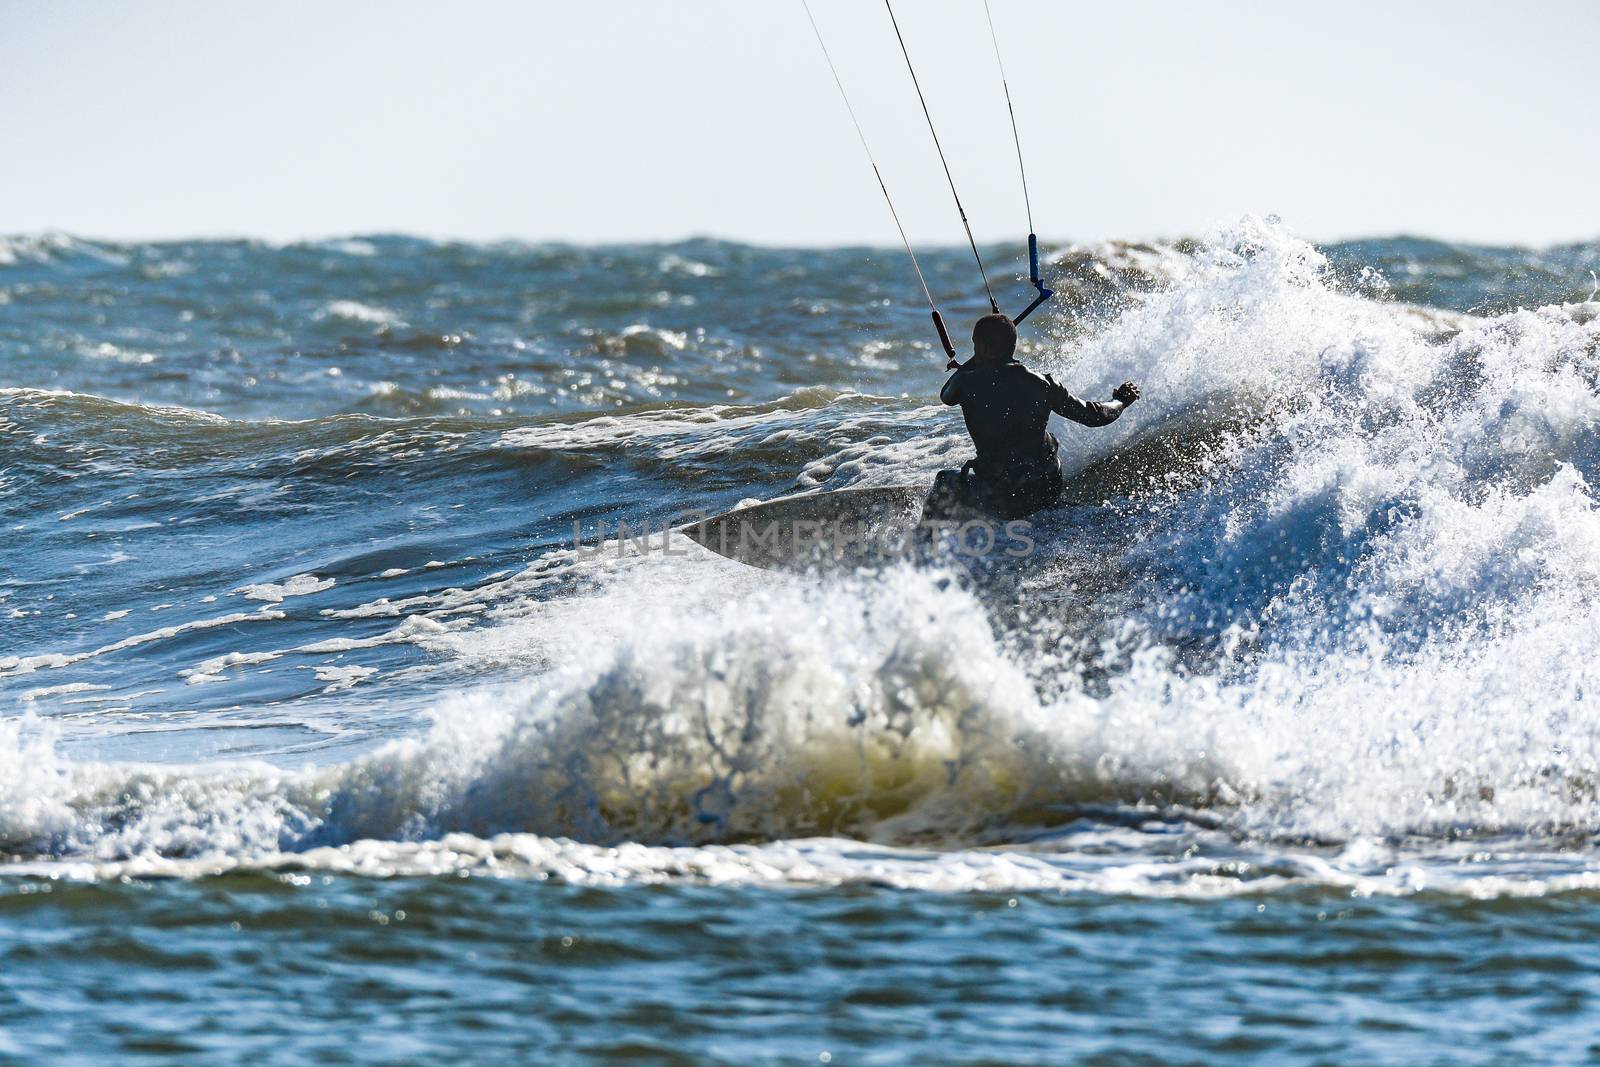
{"x": 320, "y": 742}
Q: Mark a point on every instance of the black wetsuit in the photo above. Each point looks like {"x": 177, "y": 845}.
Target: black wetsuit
{"x": 1007, "y": 408}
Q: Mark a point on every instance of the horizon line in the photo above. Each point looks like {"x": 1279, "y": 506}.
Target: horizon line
{"x": 692, "y": 238}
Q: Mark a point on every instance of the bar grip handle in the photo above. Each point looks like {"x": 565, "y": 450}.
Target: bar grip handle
{"x": 1044, "y": 294}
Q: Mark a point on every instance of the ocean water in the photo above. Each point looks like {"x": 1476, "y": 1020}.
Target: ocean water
{"x": 322, "y": 738}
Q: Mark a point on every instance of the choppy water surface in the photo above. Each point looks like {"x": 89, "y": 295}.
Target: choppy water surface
{"x": 316, "y": 725}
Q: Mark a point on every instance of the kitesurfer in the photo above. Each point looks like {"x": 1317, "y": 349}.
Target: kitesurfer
{"x": 1007, "y": 409}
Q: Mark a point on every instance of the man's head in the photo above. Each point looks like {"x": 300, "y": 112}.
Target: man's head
{"x": 994, "y": 337}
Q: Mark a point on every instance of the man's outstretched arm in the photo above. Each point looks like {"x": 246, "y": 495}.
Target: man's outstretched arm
{"x": 1091, "y": 412}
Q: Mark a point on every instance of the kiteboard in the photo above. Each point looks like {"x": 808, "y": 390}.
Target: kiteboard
{"x": 877, "y": 525}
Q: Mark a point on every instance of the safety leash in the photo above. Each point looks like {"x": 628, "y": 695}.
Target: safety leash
{"x": 1033, "y": 239}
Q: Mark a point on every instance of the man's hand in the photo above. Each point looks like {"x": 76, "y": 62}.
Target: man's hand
{"x": 1127, "y": 393}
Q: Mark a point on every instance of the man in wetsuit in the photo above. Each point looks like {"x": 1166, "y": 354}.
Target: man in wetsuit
{"x": 1007, "y": 408}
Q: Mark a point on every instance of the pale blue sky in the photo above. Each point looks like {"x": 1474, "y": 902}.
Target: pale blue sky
{"x": 631, "y": 120}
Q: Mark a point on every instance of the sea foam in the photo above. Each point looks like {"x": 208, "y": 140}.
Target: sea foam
{"x": 1367, "y": 617}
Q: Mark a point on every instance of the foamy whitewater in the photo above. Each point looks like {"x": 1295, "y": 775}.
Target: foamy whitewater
{"x": 298, "y": 635}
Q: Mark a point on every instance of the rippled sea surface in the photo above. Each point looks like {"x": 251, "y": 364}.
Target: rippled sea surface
{"x": 326, "y": 735}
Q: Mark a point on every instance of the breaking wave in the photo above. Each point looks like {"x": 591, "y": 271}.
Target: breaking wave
{"x": 1363, "y": 611}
